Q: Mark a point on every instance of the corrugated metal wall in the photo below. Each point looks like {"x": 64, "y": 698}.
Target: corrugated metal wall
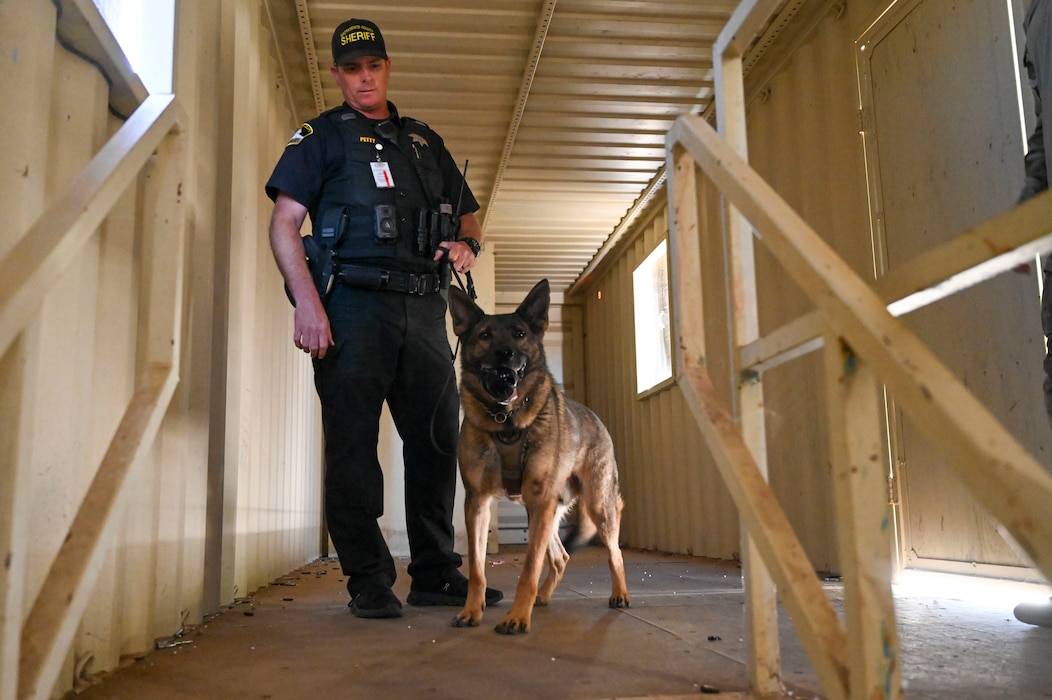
{"x": 803, "y": 128}
{"x": 230, "y": 495}
{"x": 675, "y": 500}
{"x": 803, "y": 138}
{"x": 272, "y": 427}
{"x": 244, "y": 416}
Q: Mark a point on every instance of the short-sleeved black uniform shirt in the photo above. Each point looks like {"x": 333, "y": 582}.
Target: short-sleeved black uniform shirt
{"x": 342, "y": 142}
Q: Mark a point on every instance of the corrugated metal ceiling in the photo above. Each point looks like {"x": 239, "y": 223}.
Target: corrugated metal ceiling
{"x": 560, "y": 106}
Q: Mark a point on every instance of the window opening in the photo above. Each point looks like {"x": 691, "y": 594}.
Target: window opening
{"x": 145, "y": 30}
{"x": 652, "y": 321}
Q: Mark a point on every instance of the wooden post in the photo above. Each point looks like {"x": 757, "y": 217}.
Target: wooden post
{"x": 688, "y": 335}
{"x": 820, "y": 630}
{"x": 164, "y": 256}
{"x": 14, "y": 543}
{"x": 864, "y": 522}
{"x": 761, "y": 599}
{"x": 817, "y": 624}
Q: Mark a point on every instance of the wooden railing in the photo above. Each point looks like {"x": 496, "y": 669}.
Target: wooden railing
{"x": 865, "y": 347}
{"x": 146, "y": 152}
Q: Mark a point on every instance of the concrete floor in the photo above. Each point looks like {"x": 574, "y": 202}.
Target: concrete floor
{"x": 682, "y": 637}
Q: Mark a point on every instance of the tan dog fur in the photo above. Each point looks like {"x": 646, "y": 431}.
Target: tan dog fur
{"x": 563, "y": 452}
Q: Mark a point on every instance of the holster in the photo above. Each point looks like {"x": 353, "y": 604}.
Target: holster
{"x": 322, "y": 263}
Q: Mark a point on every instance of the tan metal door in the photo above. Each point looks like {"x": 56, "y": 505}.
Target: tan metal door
{"x": 944, "y": 147}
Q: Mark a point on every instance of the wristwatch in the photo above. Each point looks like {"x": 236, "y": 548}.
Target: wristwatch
{"x": 475, "y": 246}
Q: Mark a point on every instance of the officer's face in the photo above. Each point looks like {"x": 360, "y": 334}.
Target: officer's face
{"x": 363, "y": 83}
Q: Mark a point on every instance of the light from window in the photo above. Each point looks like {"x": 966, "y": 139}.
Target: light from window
{"x": 653, "y": 331}
{"x": 144, "y": 30}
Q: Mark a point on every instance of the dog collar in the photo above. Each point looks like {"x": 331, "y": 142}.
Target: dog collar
{"x": 503, "y": 416}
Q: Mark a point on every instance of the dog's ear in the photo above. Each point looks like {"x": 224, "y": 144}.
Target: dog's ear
{"x": 464, "y": 311}
{"x": 534, "y": 308}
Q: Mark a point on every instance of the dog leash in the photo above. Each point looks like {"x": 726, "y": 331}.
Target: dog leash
{"x": 470, "y": 291}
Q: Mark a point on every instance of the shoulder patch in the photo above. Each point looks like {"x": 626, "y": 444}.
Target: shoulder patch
{"x": 301, "y": 133}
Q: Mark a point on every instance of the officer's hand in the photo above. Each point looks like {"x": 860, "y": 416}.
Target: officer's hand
{"x": 312, "y": 333}
{"x": 457, "y": 253}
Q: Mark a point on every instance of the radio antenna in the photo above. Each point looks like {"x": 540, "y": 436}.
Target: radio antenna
{"x": 460, "y": 197}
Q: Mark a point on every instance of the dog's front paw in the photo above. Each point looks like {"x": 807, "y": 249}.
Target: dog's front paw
{"x": 513, "y": 625}
{"x": 620, "y": 602}
{"x": 466, "y": 618}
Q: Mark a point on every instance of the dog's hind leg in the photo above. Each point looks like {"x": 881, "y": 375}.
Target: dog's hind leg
{"x": 606, "y": 514}
{"x": 557, "y": 557}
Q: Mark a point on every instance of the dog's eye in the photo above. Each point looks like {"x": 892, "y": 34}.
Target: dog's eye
{"x": 519, "y": 334}
{"x": 484, "y": 335}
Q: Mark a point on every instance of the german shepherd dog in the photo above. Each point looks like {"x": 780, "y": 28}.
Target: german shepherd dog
{"x": 524, "y": 438}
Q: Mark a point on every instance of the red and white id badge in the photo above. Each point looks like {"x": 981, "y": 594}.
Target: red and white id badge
{"x": 382, "y": 174}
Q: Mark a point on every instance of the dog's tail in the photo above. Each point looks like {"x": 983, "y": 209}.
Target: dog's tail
{"x": 580, "y": 531}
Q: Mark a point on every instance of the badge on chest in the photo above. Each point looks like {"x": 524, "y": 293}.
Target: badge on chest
{"x": 382, "y": 170}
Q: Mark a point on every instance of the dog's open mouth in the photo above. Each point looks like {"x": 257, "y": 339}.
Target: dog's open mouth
{"x": 502, "y": 383}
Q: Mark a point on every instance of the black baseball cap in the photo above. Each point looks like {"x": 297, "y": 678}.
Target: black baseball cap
{"x": 356, "y": 38}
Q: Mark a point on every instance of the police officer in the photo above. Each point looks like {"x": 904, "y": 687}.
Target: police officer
{"x": 390, "y": 213}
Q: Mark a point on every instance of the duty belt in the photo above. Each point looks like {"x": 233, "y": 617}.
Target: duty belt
{"x": 390, "y": 280}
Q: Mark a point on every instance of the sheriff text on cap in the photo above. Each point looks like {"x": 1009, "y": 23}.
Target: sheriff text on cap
{"x": 356, "y": 38}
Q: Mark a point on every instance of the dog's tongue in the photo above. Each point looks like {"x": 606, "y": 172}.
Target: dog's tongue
{"x": 511, "y": 399}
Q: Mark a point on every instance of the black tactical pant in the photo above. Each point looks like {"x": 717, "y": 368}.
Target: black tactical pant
{"x": 391, "y": 347}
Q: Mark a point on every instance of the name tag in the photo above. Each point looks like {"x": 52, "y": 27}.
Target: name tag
{"x": 382, "y": 174}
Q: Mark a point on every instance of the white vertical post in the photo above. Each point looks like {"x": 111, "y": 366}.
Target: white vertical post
{"x": 761, "y": 603}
